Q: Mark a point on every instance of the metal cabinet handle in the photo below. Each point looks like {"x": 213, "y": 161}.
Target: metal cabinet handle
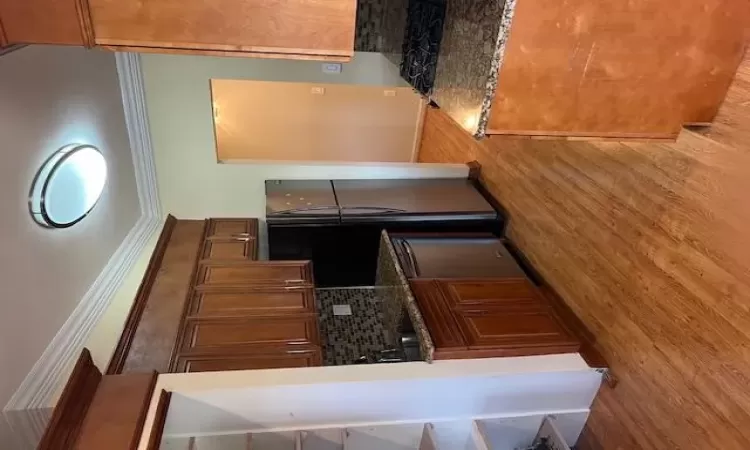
{"x": 242, "y": 237}
{"x": 412, "y": 260}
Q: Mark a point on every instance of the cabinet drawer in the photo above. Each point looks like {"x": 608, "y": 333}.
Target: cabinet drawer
{"x": 277, "y": 360}
{"x": 231, "y": 228}
{"x": 241, "y": 273}
{"x": 290, "y": 300}
{"x": 230, "y": 249}
{"x": 235, "y": 334}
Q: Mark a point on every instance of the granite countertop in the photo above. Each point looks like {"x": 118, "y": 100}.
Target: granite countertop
{"x": 475, "y": 35}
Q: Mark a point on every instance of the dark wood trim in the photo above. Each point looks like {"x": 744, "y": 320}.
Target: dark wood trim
{"x": 3, "y": 37}
{"x": 85, "y": 23}
{"x": 160, "y": 418}
{"x": 70, "y": 411}
{"x": 144, "y": 411}
{"x": 120, "y": 355}
{"x": 173, "y": 359}
{"x": 475, "y": 170}
{"x": 116, "y": 417}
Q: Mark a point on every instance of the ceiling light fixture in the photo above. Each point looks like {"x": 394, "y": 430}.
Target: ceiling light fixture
{"x": 68, "y": 186}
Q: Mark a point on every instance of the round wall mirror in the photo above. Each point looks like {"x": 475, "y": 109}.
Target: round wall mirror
{"x": 68, "y": 186}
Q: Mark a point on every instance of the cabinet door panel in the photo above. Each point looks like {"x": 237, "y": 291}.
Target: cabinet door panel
{"x": 438, "y": 317}
{"x": 513, "y": 329}
{"x": 315, "y": 27}
{"x": 278, "y": 360}
{"x": 231, "y": 249}
{"x": 228, "y": 228}
{"x": 44, "y": 22}
{"x": 470, "y": 294}
{"x": 256, "y": 302}
{"x": 234, "y": 335}
{"x": 295, "y": 273}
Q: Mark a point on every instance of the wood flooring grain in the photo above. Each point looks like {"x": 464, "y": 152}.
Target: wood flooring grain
{"x": 649, "y": 244}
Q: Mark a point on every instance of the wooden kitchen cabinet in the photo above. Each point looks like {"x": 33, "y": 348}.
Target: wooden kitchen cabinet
{"x": 228, "y": 228}
{"x": 251, "y": 273}
{"x": 281, "y": 359}
{"x": 490, "y": 318}
{"x": 241, "y": 334}
{"x": 231, "y": 239}
{"x": 295, "y": 29}
{"x": 305, "y": 29}
{"x": 256, "y": 302}
{"x": 61, "y": 22}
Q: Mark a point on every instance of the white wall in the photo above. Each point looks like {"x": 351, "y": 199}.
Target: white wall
{"x": 106, "y": 334}
{"x": 49, "y": 97}
{"x": 191, "y": 183}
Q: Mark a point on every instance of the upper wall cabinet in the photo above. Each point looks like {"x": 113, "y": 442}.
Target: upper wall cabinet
{"x": 312, "y": 29}
{"x": 43, "y": 22}
{"x": 296, "y": 29}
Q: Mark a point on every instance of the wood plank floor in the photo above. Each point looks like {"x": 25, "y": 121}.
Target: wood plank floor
{"x": 649, "y": 243}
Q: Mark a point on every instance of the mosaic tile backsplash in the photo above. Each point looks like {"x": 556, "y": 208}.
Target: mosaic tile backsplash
{"x": 347, "y": 338}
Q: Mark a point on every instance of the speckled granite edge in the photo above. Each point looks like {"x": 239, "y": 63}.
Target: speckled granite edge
{"x": 393, "y": 286}
{"x": 506, "y": 22}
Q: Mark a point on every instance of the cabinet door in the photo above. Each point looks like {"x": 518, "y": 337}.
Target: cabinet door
{"x": 508, "y": 318}
{"x": 465, "y": 295}
{"x": 264, "y": 301}
{"x": 230, "y": 249}
{"x": 233, "y": 335}
{"x": 64, "y": 22}
{"x": 297, "y": 27}
{"x": 440, "y": 321}
{"x": 264, "y": 273}
{"x": 231, "y": 240}
{"x": 229, "y": 228}
{"x": 263, "y": 360}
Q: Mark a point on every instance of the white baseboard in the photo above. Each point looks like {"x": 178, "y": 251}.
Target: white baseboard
{"x": 52, "y": 368}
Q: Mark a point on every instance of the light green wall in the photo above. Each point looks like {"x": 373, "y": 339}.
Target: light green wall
{"x": 191, "y": 183}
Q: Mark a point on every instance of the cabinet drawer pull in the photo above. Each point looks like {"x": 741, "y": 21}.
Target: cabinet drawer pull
{"x": 295, "y": 281}
{"x": 297, "y": 343}
{"x": 297, "y": 352}
{"x": 294, "y": 288}
{"x": 242, "y": 239}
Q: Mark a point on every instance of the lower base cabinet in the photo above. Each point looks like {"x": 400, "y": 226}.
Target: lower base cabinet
{"x": 280, "y": 360}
